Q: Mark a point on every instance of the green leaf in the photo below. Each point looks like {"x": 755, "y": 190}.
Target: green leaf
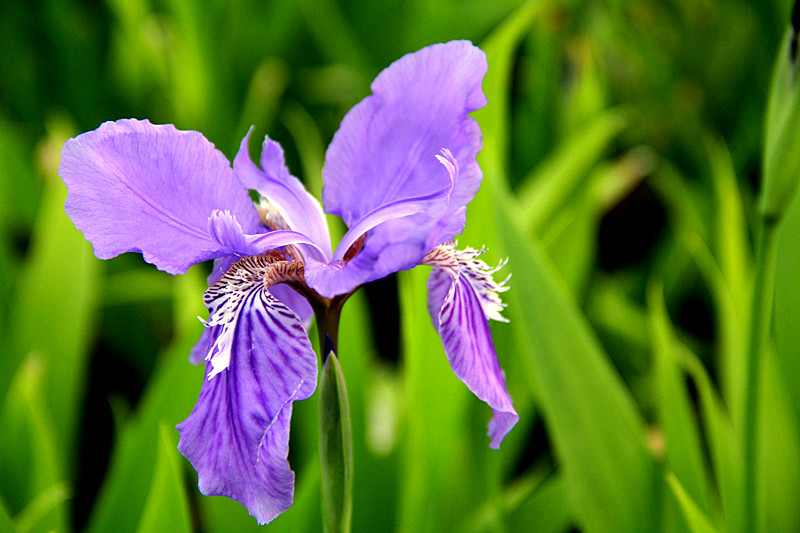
{"x": 723, "y": 443}
{"x": 167, "y": 508}
{"x": 260, "y": 108}
{"x": 551, "y": 183}
{"x": 684, "y": 447}
{"x": 694, "y": 516}
{"x": 38, "y": 514}
{"x": 781, "y": 162}
{"x": 5, "y": 519}
{"x": 597, "y": 432}
{"x": 436, "y": 448}
{"x": 53, "y": 307}
{"x": 546, "y": 510}
{"x": 335, "y": 447}
{"x": 787, "y": 294}
{"x": 30, "y": 459}
{"x": 494, "y": 118}
{"x": 172, "y": 392}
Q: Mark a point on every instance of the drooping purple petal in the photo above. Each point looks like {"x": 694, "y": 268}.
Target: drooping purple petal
{"x": 237, "y": 436}
{"x": 135, "y": 186}
{"x": 296, "y": 206}
{"x": 287, "y": 296}
{"x": 460, "y": 307}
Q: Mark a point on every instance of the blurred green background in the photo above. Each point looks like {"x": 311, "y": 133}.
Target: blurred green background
{"x": 622, "y": 160}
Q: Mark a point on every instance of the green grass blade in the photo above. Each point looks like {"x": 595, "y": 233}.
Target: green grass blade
{"x": 597, "y": 432}
{"x": 435, "y": 446}
{"x": 692, "y": 513}
{"x": 684, "y": 447}
{"x": 53, "y": 307}
{"x": 787, "y": 294}
{"x": 547, "y": 510}
{"x": 5, "y": 519}
{"x": 31, "y": 457}
{"x": 726, "y": 458}
{"x": 167, "y": 507}
{"x": 551, "y": 183}
{"x": 170, "y": 396}
{"x": 38, "y": 514}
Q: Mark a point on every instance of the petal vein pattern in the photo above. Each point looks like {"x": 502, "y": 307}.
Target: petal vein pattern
{"x": 462, "y": 297}
{"x": 224, "y": 299}
{"x": 135, "y": 186}
{"x": 261, "y": 361}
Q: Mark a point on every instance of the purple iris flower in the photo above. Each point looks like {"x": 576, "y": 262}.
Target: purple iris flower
{"x": 400, "y": 172}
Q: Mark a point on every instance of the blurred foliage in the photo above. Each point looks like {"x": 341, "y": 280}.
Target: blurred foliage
{"x": 622, "y": 160}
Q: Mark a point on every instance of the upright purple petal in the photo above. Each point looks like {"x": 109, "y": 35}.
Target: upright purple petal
{"x": 296, "y": 206}
{"x": 461, "y": 299}
{"x": 386, "y": 147}
{"x": 237, "y": 436}
{"x": 138, "y": 187}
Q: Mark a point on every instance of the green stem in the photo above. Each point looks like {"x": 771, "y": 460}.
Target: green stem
{"x": 335, "y": 433}
{"x": 760, "y": 328}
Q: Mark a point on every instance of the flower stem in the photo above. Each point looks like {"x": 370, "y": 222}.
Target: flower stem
{"x": 760, "y": 327}
{"x": 335, "y": 433}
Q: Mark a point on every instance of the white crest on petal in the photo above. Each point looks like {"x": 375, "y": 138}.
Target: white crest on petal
{"x": 466, "y": 263}
{"x": 224, "y": 300}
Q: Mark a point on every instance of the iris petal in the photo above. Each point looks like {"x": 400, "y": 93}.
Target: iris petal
{"x": 340, "y": 276}
{"x": 237, "y": 436}
{"x": 386, "y": 150}
{"x": 231, "y": 238}
{"x": 299, "y": 209}
{"x": 134, "y": 186}
{"x": 461, "y": 301}
{"x": 386, "y": 146}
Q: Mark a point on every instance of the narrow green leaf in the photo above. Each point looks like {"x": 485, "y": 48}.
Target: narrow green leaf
{"x": 335, "y": 447}
{"x": 30, "y": 459}
{"x": 508, "y": 501}
{"x": 5, "y": 519}
{"x": 54, "y": 303}
{"x": 547, "y": 510}
{"x": 260, "y": 108}
{"x": 332, "y": 31}
{"x": 37, "y": 515}
{"x": 167, "y": 508}
{"x": 170, "y": 396}
{"x": 500, "y": 47}
{"x": 551, "y": 183}
{"x": 732, "y": 245}
{"x": 684, "y": 447}
{"x": 191, "y": 89}
{"x": 723, "y": 443}
{"x": 787, "y": 294}
{"x": 435, "y": 445}
{"x": 781, "y": 155}
{"x": 692, "y": 513}
{"x": 778, "y": 460}
{"x": 597, "y": 432}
